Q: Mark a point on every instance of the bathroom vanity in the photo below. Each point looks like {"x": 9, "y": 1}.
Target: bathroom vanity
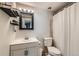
{"x": 22, "y": 47}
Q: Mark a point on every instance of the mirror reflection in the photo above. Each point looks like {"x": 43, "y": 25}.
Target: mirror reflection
{"x": 26, "y": 21}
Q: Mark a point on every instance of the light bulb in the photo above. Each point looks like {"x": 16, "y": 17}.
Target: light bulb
{"x": 24, "y": 10}
{"x": 28, "y": 11}
{"x": 20, "y": 9}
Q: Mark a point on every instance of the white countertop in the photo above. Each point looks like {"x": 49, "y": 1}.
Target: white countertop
{"x": 22, "y": 40}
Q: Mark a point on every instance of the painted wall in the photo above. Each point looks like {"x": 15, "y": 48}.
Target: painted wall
{"x": 4, "y": 34}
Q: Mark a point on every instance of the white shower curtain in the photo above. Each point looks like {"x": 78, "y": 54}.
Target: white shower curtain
{"x": 66, "y": 30}
{"x": 58, "y": 30}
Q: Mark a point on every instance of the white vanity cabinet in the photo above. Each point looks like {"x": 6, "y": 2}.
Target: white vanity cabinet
{"x": 28, "y": 51}
{"x": 25, "y": 49}
{"x": 34, "y": 51}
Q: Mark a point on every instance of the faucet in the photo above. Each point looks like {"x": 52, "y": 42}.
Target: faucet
{"x": 26, "y": 38}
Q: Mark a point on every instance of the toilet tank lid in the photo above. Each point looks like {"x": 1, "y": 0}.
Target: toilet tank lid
{"x": 48, "y": 38}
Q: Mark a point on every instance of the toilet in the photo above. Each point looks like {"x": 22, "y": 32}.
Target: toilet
{"x": 52, "y": 51}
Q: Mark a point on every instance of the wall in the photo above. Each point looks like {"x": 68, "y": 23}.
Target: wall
{"x": 4, "y": 34}
{"x": 41, "y": 25}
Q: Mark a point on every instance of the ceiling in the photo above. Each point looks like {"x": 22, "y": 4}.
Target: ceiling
{"x": 45, "y": 5}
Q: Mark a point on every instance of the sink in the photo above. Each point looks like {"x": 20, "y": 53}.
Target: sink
{"x": 24, "y": 40}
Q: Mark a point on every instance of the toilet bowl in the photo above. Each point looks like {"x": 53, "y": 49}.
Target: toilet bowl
{"x": 52, "y": 51}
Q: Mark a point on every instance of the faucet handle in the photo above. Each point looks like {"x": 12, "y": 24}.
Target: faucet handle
{"x": 26, "y": 38}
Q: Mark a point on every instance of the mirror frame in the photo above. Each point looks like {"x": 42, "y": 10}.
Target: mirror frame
{"x": 20, "y": 22}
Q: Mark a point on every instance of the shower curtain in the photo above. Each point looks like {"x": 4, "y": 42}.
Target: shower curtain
{"x": 66, "y": 30}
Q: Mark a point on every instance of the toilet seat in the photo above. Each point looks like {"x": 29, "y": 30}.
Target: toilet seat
{"x": 54, "y": 51}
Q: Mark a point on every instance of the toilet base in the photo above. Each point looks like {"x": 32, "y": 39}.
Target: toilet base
{"x": 49, "y": 53}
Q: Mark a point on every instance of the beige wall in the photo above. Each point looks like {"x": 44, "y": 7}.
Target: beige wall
{"x": 4, "y": 34}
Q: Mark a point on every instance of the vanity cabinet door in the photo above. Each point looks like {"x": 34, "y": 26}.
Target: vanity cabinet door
{"x": 19, "y": 52}
{"x": 32, "y": 51}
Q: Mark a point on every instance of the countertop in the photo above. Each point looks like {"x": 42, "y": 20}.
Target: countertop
{"x": 23, "y": 41}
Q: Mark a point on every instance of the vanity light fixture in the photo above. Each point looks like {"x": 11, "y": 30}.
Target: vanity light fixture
{"x": 32, "y": 11}
{"x": 26, "y": 10}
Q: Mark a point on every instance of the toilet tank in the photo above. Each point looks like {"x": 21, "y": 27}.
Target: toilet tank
{"x": 48, "y": 41}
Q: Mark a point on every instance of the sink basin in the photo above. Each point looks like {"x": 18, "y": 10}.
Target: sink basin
{"x": 22, "y": 40}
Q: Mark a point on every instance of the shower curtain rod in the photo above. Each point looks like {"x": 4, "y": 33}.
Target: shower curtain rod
{"x": 65, "y": 6}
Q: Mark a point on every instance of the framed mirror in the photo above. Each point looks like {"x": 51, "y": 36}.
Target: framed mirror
{"x": 26, "y": 21}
